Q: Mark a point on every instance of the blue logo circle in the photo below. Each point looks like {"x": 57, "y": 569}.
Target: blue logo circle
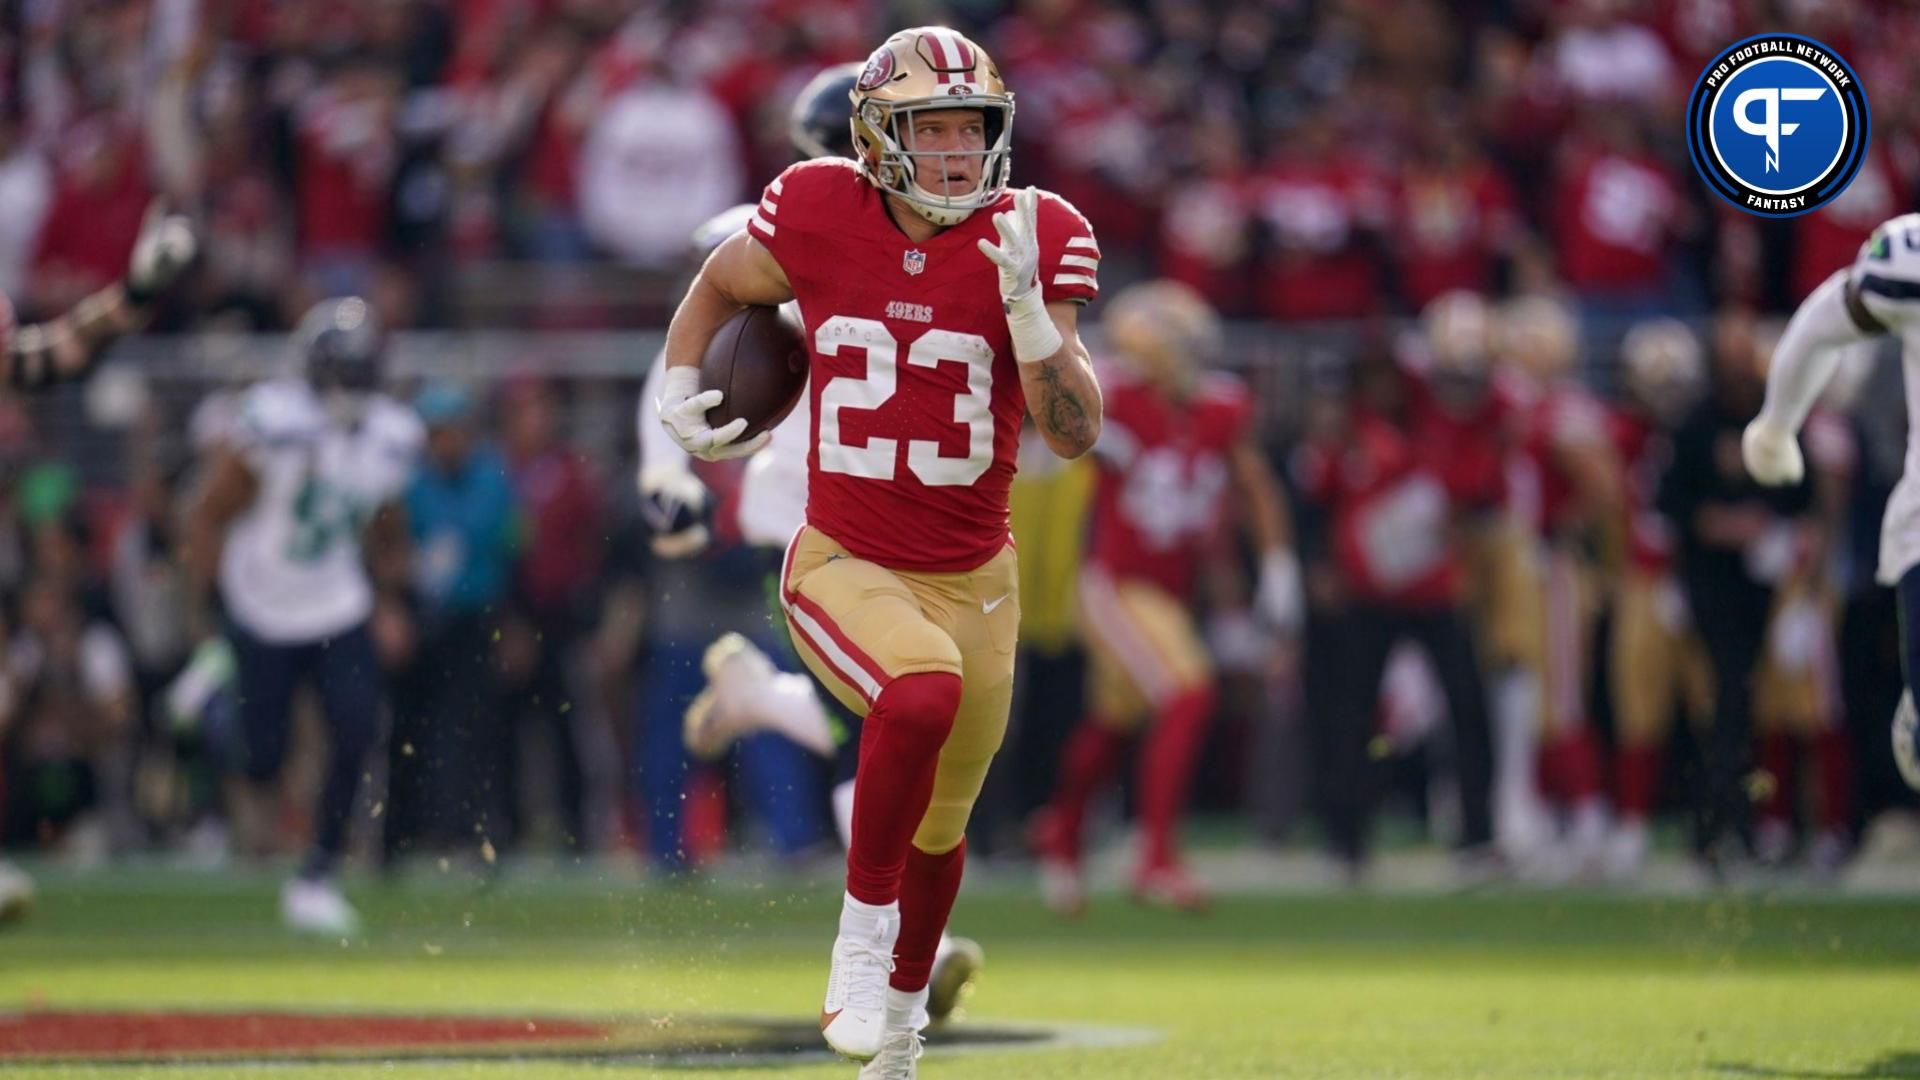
{"x": 1778, "y": 125}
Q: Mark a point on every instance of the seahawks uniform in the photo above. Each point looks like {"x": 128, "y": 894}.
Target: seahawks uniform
{"x": 1886, "y": 279}
{"x": 293, "y": 582}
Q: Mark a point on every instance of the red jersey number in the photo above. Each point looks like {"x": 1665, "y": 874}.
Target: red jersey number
{"x": 877, "y": 460}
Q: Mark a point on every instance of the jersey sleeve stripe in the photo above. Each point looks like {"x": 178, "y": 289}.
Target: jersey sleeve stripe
{"x": 1891, "y": 288}
{"x": 1085, "y": 243}
{"x": 1074, "y": 279}
{"x": 775, "y": 186}
{"x": 1089, "y": 262}
{"x": 769, "y": 208}
{"x": 758, "y": 223}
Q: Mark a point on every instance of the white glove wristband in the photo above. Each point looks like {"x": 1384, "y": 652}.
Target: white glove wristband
{"x": 1034, "y": 336}
{"x": 679, "y": 383}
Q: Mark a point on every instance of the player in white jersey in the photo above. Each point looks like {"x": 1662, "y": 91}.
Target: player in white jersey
{"x": 296, "y": 504}
{"x": 1879, "y": 294}
{"x": 746, "y": 692}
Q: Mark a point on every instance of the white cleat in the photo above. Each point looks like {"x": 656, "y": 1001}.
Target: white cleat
{"x": 16, "y": 893}
{"x": 956, "y": 967}
{"x": 853, "y": 1018}
{"x": 745, "y": 694}
{"x": 1906, "y": 741}
{"x": 1626, "y": 852}
{"x": 316, "y": 907}
{"x": 1063, "y": 889}
{"x": 902, "y": 1044}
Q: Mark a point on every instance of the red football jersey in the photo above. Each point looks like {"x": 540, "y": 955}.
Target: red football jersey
{"x": 1645, "y": 452}
{"x": 1551, "y": 419}
{"x": 1162, "y": 487}
{"x": 916, "y": 396}
{"x": 1392, "y": 534}
{"x": 1469, "y": 447}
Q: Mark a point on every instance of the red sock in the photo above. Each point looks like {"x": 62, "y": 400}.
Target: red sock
{"x": 1573, "y": 766}
{"x": 1637, "y": 777}
{"x": 927, "y": 888}
{"x": 1776, "y": 759}
{"x": 1834, "y": 758}
{"x": 1166, "y": 769}
{"x": 1091, "y": 758}
{"x": 899, "y": 750}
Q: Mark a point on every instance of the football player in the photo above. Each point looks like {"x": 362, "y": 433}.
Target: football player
{"x": 1574, "y": 481}
{"x": 746, "y": 692}
{"x": 1175, "y": 453}
{"x": 297, "y": 503}
{"x": 1657, "y": 661}
{"x": 64, "y": 348}
{"x": 1878, "y": 294}
{"x": 939, "y": 306}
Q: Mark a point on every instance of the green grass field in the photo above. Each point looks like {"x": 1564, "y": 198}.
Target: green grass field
{"x": 1509, "y": 985}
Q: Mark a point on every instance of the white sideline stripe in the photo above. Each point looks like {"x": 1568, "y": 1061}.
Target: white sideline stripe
{"x": 843, "y": 665}
{"x": 1058, "y": 279}
{"x": 1090, "y": 262}
{"x": 765, "y": 225}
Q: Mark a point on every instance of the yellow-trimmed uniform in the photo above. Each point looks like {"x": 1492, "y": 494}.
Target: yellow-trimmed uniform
{"x": 1657, "y": 661}
{"x": 1160, "y": 499}
{"x": 858, "y": 625}
{"x": 1142, "y": 646}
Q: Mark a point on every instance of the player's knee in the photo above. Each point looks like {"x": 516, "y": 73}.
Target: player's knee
{"x": 927, "y": 700}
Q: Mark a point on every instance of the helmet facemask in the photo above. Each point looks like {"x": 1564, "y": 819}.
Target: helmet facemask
{"x": 884, "y": 134}
{"x": 923, "y": 70}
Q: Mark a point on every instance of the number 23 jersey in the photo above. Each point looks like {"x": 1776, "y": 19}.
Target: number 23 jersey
{"x": 291, "y": 570}
{"x": 915, "y": 391}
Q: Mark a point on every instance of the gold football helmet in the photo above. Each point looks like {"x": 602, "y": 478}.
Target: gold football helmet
{"x": 1540, "y": 337}
{"x": 1460, "y": 331}
{"x": 1166, "y": 331}
{"x": 1662, "y": 367}
{"x": 923, "y": 69}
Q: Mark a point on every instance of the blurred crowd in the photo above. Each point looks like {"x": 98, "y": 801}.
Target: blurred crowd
{"x": 1383, "y": 152}
{"x": 1354, "y": 162}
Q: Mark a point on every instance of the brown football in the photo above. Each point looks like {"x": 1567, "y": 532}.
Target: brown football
{"x": 758, "y": 361}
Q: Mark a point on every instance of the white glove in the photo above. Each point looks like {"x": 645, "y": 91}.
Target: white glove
{"x": 673, "y": 503}
{"x": 164, "y": 249}
{"x": 683, "y": 409}
{"x": 1772, "y": 453}
{"x": 1279, "y": 594}
{"x": 1018, "y": 260}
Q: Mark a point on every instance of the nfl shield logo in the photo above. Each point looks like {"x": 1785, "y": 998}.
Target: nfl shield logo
{"x": 914, "y": 262}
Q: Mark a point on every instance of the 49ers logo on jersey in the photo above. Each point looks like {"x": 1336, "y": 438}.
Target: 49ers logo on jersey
{"x": 878, "y": 70}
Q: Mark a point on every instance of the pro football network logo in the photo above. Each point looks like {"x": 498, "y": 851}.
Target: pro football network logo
{"x": 1778, "y": 125}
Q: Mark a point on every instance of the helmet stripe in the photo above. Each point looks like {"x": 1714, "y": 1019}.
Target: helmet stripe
{"x": 966, "y": 55}
{"x": 938, "y": 48}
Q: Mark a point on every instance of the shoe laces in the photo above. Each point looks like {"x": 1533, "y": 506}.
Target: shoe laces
{"x": 861, "y": 954}
{"x": 900, "y": 1048}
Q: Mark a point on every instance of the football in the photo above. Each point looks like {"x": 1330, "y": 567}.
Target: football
{"x": 758, "y": 361}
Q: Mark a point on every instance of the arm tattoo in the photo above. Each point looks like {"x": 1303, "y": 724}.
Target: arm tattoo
{"x": 1063, "y": 413}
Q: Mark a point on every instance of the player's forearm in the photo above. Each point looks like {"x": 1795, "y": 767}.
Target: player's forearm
{"x": 1806, "y": 356}
{"x": 64, "y": 348}
{"x": 1064, "y": 399}
{"x": 700, "y": 315}
{"x": 1268, "y": 522}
